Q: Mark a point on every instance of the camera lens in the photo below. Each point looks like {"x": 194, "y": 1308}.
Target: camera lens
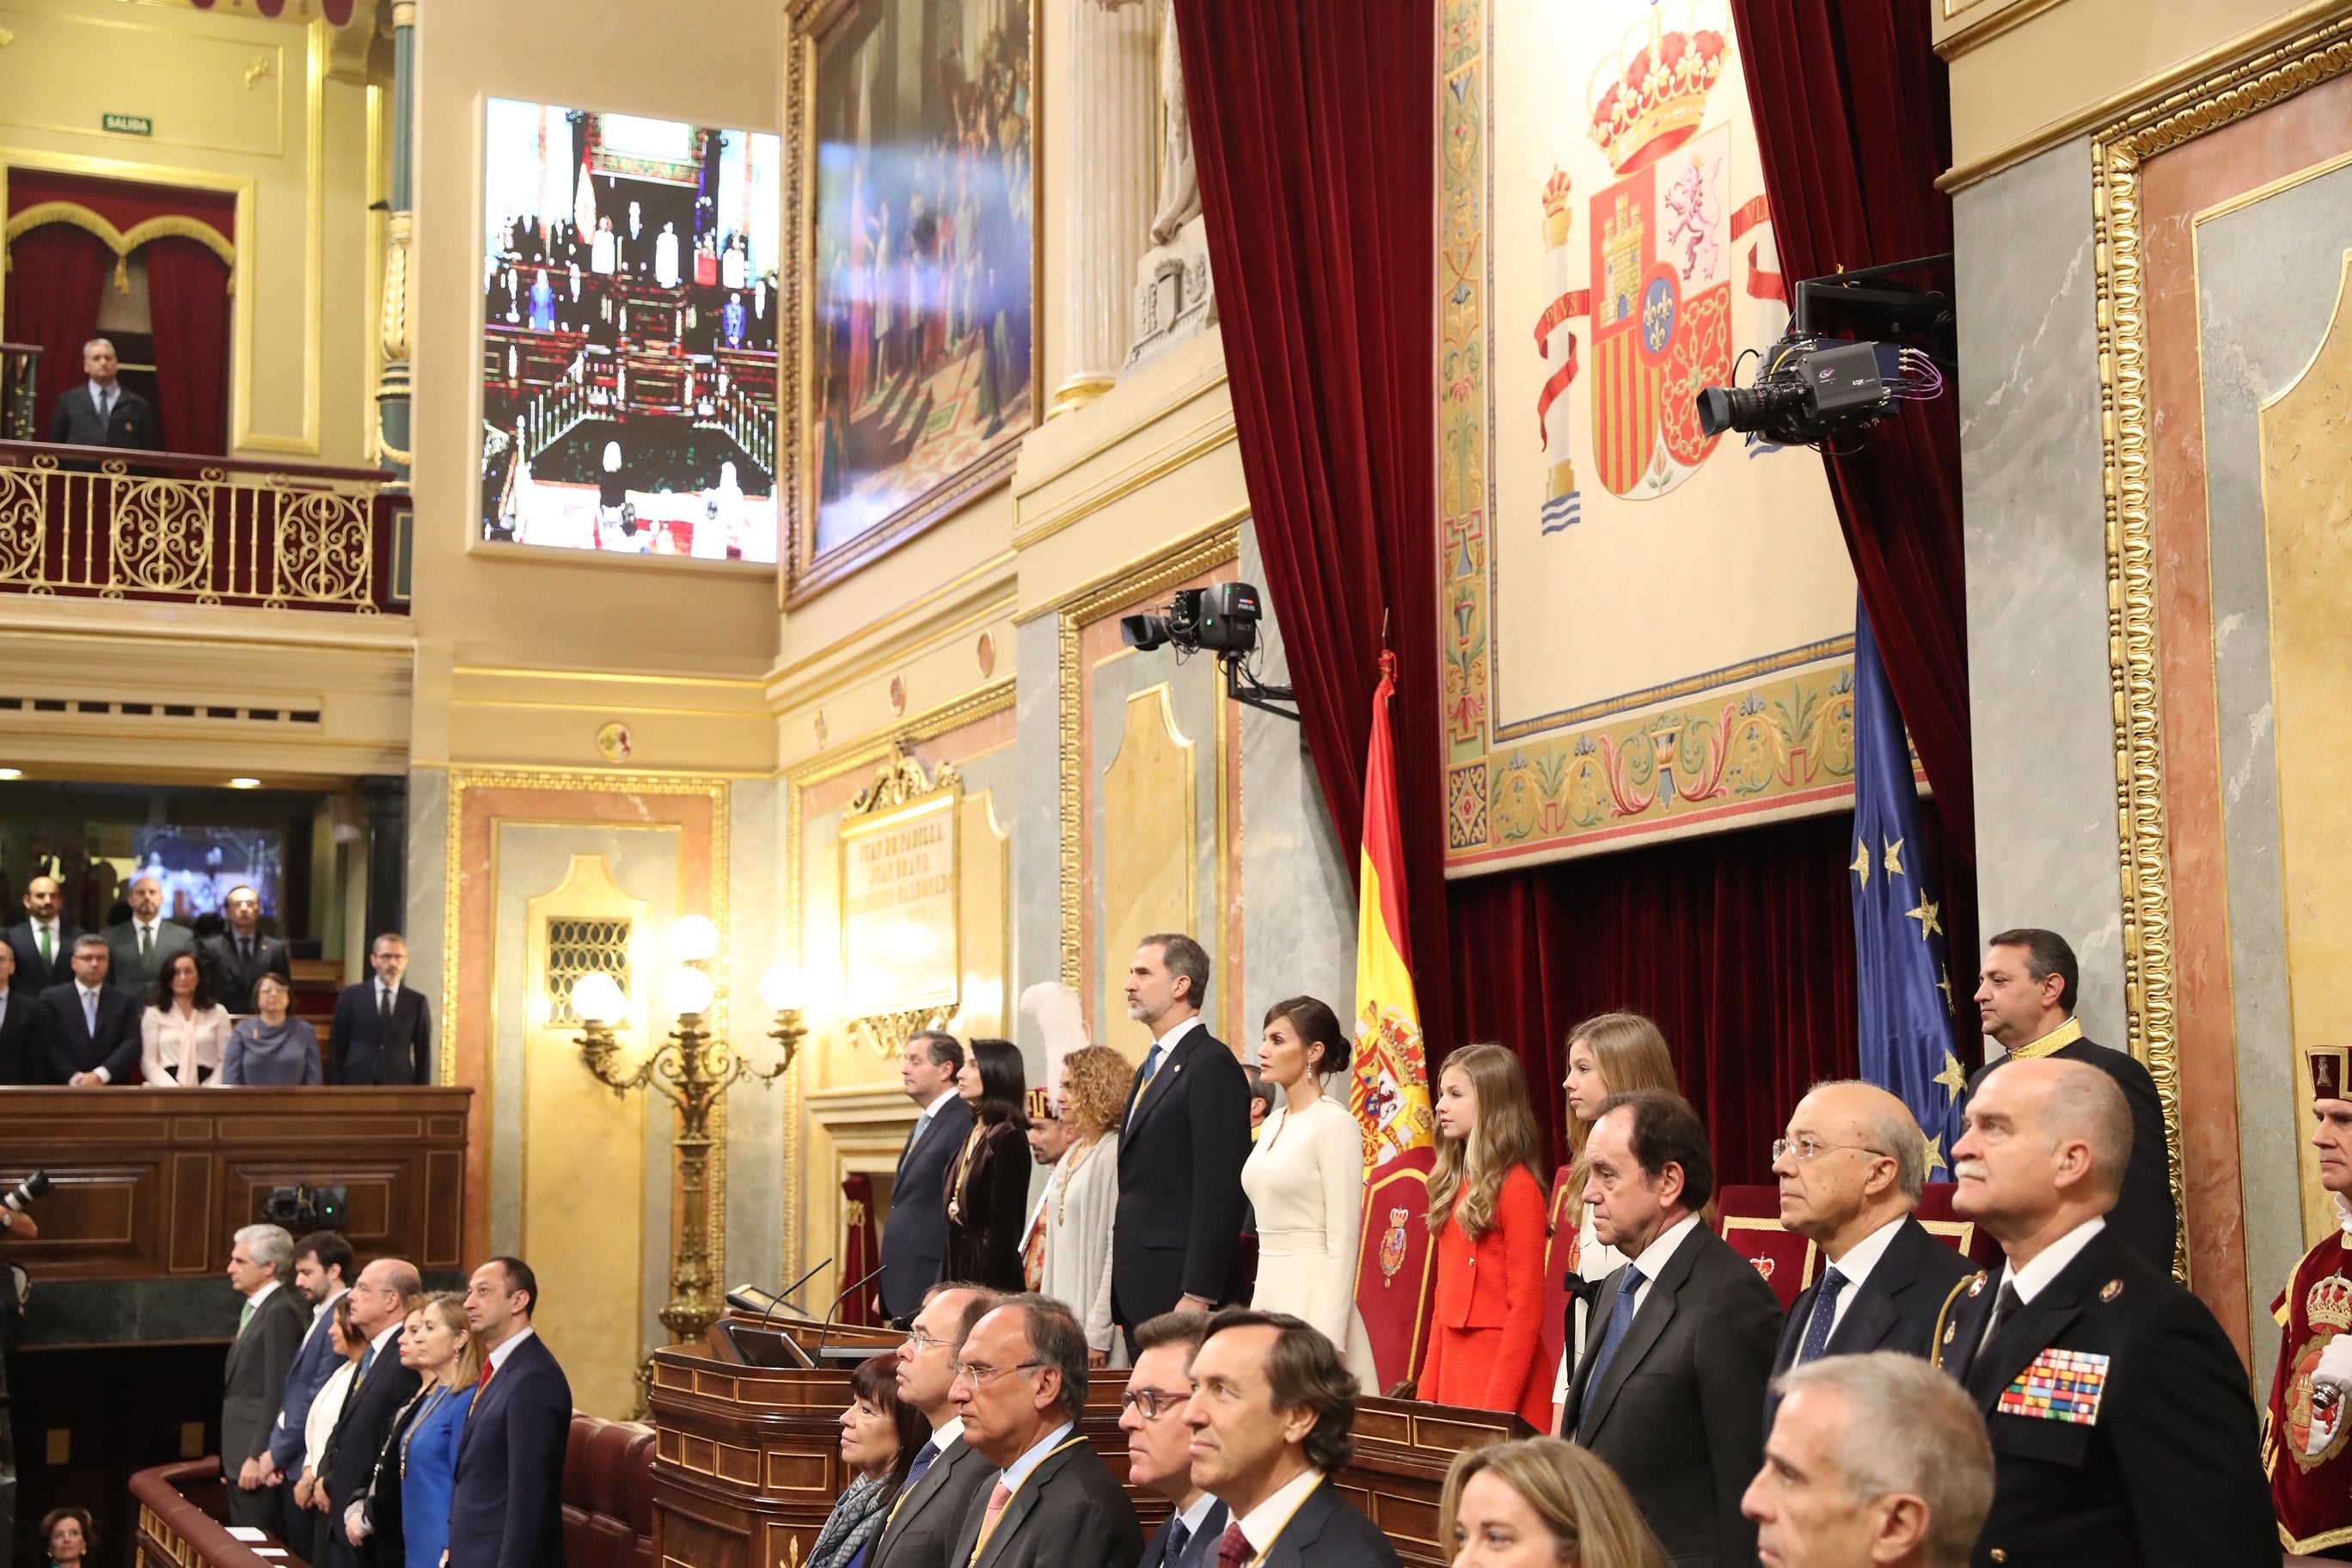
{"x": 1722, "y": 409}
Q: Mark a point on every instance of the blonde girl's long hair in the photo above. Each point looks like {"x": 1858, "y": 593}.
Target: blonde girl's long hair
{"x": 1631, "y": 1052}
{"x": 1470, "y": 1171}
{"x": 1591, "y": 1517}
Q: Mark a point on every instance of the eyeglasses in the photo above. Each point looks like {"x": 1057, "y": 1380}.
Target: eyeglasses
{"x": 1808, "y": 1147}
{"x": 1153, "y": 1401}
{"x": 979, "y": 1374}
{"x": 923, "y": 1341}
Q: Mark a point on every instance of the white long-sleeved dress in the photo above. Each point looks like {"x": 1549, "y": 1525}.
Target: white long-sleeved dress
{"x": 1081, "y": 1200}
{"x": 1306, "y": 1181}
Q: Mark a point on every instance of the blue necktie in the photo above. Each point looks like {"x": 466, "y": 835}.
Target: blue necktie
{"x": 1178, "y": 1534}
{"x": 90, "y": 1012}
{"x": 1817, "y": 1328}
{"x": 922, "y": 1462}
{"x": 1620, "y": 1318}
{"x": 1151, "y": 1071}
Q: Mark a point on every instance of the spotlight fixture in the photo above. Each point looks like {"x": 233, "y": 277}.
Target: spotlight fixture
{"x": 245, "y": 783}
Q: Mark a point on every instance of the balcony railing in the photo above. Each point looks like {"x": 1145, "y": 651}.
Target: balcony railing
{"x": 100, "y": 523}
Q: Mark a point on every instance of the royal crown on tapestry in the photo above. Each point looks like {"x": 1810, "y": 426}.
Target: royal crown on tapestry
{"x": 2329, "y": 1305}
{"x": 1657, "y": 95}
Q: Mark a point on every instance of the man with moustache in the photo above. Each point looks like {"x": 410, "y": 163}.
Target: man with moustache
{"x": 2025, "y": 996}
{"x": 1021, "y": 1384}
{"x": 2123, "y": 1434}
{"x": 947, "y": 1471}
{"x": 1271, "y": 1410}
{"x": 1851, "y": 1171}
{"x": 1049, "y": 1139}
{"x": 2304, "y": 1436}
{"x": 1159, "y": 1445}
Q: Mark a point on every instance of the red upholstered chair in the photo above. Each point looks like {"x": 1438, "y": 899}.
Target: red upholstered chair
{"x": 1559, "y": 1251}
{"x": 608, "y": 1507}
{"x": 1965, "y": 1237}
{"x": 1751, "y": 1222}
{"x": 579, "y": 1501}
{"x": 1394, "y": 1264}
{"x": 610, "y": 1542}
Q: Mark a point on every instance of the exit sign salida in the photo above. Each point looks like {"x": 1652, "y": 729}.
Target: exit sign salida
{"x": 127, "y": 124}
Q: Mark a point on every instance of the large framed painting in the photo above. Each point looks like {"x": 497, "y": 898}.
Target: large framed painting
{"x": 1647, "y": 631}
{"x": 913, "y": 367}
{"x": 629, "y": 316}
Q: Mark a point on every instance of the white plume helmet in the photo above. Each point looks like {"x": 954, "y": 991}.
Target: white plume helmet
{"x": 1064, "y": 1022}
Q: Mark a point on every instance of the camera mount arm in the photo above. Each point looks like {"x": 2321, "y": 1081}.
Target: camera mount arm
{"x": 1243, "y": 686}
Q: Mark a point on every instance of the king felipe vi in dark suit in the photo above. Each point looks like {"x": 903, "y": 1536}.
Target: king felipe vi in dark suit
{"x": 1181, "y": 1145}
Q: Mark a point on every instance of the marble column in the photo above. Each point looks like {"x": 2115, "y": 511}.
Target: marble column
{"x": 391, "y": 390}
{"x": 1114, "y": 136}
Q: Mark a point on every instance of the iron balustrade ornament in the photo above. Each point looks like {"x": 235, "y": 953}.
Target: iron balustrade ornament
{"x": 97, "y": 521}
{"x": 693, "y": 1071}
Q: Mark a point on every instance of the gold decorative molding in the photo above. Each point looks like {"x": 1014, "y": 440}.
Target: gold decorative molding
{"x": 2118, "y": 151}
{"x": 261, "y": 66}
{"x": 902, "y": 780}
{"x": 123, "y": 241}
{"x": 1187, "y": 558}
{"x": 884, "y": 1033}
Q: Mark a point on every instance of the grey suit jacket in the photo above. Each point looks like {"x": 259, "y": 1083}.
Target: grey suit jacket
{"x": 134, "y": 975}
{"x": 923, "y": 1527}
{"x": 1679, "y": 1411}
{"x": 1071, "y": 1512}
{"x": 253, "y": 1384}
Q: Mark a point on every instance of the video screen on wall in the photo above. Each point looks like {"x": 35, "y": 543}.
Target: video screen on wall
{"x": 629, "y": 319}
{"x": 199, "y": 865}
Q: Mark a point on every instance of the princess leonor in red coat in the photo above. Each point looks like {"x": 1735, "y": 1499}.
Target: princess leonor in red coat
{"x": 1486, "y": 1211}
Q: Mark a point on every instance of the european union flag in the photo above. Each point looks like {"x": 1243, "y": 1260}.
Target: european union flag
{"x": 1901, "y": 951}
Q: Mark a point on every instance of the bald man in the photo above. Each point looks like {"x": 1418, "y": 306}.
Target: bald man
{"x": 1851, "y": 1170}
{"x": 2123, "y": 1433}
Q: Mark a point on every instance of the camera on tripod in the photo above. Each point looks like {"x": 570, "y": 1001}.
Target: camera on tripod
{"x": 302, "y": 1207}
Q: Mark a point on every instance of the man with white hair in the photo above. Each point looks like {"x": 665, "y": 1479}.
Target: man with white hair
{"x": 1876, "y": 1461}
{"x": 253, "y": 1383}
{"x": 101, "y": 410}
{"x": 2123, "y": 1433}
{"x": 2304, "y": 1438}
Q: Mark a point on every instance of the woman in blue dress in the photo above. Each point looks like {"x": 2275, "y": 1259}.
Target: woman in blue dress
{"x": 451, "y": 1361}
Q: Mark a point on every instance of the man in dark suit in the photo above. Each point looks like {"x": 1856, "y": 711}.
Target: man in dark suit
{"x": 23, "y": 1038}
{"x": 914, "y": 1236}
{"x": 947, "y": 1473}
{"x": 1182, "y": 1140}
{"x": 43, "y": 941}
{"x": 506, "y": 1505}
{"x": 2122, "y": 1429}
{"x": 1159, "y": 1444}
{"x": 2025, "y": 997}
{"x": 380, "y": 1300}
{"x": 322, "y": 1262}
{"x": 1678, "y": 1346}
{"x": 101, "y": 412}
{"x": 1269, "y": 1438}
{"x": 91, "y": 1030}
{"x": 1022, "y": 1386}
{"x": 142, "y": 944}
{"x": 242, "y": 954}
{"x": 1851, "y": 1171}
{"x": 382, "y": 1032}
{"x": 253, "y": 1383}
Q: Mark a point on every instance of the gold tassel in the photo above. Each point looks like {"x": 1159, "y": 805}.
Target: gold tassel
{"x": 122, "y": 273}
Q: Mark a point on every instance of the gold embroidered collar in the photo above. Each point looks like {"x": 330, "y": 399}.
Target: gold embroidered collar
{"x": 2065, "y": 1034}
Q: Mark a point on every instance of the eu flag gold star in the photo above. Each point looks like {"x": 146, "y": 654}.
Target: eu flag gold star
{"x": 1926, "y": 915}
{"x": 1952, "y": 1078}
{"x": 1861, "y": 861}
{"x": 1894, "y": 858}
{"x": 1936, "y": 1153}
{"x": 1944, "y": 985}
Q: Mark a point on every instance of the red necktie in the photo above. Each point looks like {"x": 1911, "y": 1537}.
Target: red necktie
{"x": 483, "y": 1382}
{"x": 1233, "y": 1550}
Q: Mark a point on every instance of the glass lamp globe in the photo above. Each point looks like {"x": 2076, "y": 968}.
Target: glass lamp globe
{"x": 780, "y": 987}
{"x": 596, "y": 999}
{"x": 688, "y": 992}
{"x": 694, "y": 939}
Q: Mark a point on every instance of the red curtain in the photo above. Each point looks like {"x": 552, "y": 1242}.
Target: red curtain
{"x": 1739, "y": 944}
{"x": 1314, "y": 131}
{"x": 55, "y": 274}
{"x": 187, "y": 295}
{"x": 1852, "y": 121}
{"x": 861, "y": 1249}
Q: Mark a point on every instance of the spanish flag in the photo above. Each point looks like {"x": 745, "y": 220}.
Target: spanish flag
{"x": 1390, "y": 1092}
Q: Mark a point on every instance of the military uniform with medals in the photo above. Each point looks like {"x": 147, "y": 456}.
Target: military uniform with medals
{"x": 2123, "y": 1433}
{"x": 2305, "y": 1448}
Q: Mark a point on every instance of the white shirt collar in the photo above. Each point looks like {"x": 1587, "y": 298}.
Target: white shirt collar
{"x": 147, "y": 926}
{"x": 1013, "y": 1474}
{"x": 937, "y": 1100}
{"x": 1864, "y": 1255}
{"x": 2035, "y": 1277}
{"x": 98, "y": 393}
{"x": 1660, "y": 1252}
{"x": 88, "y": 990}
{"x": 499, "y": 1356}
{"x": 389, "y": 1333}
{"x": 1167, "y": 1042}
{"x": 1193, "y": 1516}
{"x": 326, "y": 1306}
{"x": 1263, "y": 1522}
{"x": 259, "y": 1297}
{"x": 942, "y": 1435}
